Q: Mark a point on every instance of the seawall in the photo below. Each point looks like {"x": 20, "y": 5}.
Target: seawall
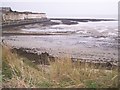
{"x": 23, "y": 22}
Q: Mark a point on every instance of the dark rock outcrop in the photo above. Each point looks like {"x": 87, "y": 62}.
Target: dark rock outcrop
{"x": 43, "y": 58}
{"x": 69, "y": 22}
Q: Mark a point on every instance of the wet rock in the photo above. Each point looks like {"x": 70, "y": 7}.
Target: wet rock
{"x": 69, "y": 22}
{"x": 43, "y": 58}
{"x": 83, "y": 20}
{"x": 109, "y": 65}
{"x": 50, "y": 23}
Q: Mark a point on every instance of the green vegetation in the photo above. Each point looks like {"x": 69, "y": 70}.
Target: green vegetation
{"x": 22, "y": 73}
{"x": 6, "y": 70}
{"x": 0, "y": 67}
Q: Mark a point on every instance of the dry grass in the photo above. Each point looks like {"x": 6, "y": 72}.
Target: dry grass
{"x": 65, "y": 73}
{"x": 0, "y": 67}
{"x": 22, "y": 75}
{"x": 61, "y": 73}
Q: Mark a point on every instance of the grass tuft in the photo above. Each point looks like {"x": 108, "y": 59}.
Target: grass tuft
{"x": 20, "y": 72}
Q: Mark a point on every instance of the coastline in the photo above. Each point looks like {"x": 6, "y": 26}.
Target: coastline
{"x": 59, "y": 45}
{"x": 50, "y": 76}
{"x": 45, "y": 57}
{"x": 48, "y": 21}
{"x": 78, "y": 50}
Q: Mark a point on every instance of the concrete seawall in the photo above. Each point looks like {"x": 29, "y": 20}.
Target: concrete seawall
{"x": 23, "y": 22}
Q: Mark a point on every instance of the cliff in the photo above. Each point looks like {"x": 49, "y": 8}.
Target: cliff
{"x": 7, "y": 16}
{"x": 10, "y": 17}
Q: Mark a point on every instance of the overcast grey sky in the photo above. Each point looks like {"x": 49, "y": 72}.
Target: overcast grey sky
{"x": 67, "y": 8}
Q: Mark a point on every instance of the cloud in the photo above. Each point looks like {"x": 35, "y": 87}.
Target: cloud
{"x": 61, "y": 1}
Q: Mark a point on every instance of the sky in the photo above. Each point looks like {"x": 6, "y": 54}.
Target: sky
{"x": 67, "y": 8}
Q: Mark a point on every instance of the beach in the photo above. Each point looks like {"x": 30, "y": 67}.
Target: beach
{"x": 88, "y": 41}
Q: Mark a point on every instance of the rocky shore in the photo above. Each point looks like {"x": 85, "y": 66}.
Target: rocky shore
{"x": 92, "y": 42}
{"x": 45, "y": 58}
{"x": 50, "y": 21}
{"x": 81, "y": 20}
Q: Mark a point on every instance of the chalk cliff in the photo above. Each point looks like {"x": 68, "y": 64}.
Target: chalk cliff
{"x": 8, "y": 14}
{"x": 11, "y": 18}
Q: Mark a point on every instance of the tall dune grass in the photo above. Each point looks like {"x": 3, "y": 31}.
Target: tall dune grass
{"x": 61, "y": 73}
